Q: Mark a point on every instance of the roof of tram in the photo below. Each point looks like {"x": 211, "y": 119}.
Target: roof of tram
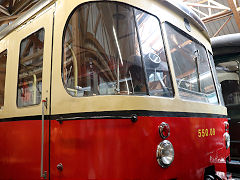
{"x": 29, "y": 8}
{"x": 221, "y": 17}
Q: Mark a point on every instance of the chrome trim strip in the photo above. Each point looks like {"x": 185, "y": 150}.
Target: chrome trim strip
{"x": 31, "y": 12}
{"x": 133, "y": 118}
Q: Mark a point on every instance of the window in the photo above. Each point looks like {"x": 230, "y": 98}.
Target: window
{"x": 228, "y": 75}
{"x": 192, "y": 69}
{"x": 111, "y": 48}
{"x": 218, "y": 85}
{"x": 3, "y": 62}
{"x": 29, "y": 89}
{"x": 154, "y": 57}
{"x": 231, "y": 91}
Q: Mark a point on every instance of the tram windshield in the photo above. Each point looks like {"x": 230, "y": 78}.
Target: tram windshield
{"x": 111, "y": 48}
{"x": 192, "y": 69}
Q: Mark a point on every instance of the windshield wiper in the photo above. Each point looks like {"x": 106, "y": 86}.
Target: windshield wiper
{"x": 197, "y": 69}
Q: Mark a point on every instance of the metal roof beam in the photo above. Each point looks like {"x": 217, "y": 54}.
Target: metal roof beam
{"x": 9, "y": 18}
{"x": 32, "y": 11}
{"x": 4, "y": 10}
{"x": 18, "y": 6}
{"x": 217, "y": 16}
{"x": 218, "y": 4}
{"x": 207, "y": 6}
{"x": 207, "y": 16}
{"x": 200, "y": 12}
{"x": 235, "y": 13}
{"x": 224, "y": 24}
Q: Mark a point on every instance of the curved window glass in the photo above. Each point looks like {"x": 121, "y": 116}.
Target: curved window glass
{"x": 111, "y": 48}
{"x": 192, "y": 69}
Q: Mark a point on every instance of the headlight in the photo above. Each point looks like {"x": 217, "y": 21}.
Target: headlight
{"x": 227, "y": 140}
{"x": 165, "y": 153}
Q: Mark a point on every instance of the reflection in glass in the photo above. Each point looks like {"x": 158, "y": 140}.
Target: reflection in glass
{"x": 102, "y": 53}
{"x": 29, "y": 90}
{"x": 192, "y": 70}
{"x": 218, "y": 85}
{"x": 3, "y": 66}
{"x": 154, "y": 56}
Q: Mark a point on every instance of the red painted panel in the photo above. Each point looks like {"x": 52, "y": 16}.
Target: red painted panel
{"x": 120, "y": 149}
{"x": 20, "y": 149}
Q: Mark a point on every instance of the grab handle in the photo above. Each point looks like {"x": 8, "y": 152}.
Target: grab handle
{"x": 43, "y": 173}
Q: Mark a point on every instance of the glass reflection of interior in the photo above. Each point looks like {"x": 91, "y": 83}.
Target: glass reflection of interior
{"x": 228, "y": 75}
{"x": 3, "y": 61}
{"x": 111, "y": 48}
{"x": 29, "y": 91}
{"x": 192, "y": 69}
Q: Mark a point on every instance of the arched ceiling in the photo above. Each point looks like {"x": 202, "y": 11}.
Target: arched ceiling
{"x": 220, "y": 16}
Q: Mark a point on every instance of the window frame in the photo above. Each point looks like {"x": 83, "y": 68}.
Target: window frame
{"x": 35, "y": 31}
{"x": 140, "y": 48}
{"x": 208, "y": 61}
{"x": 215, "y": 78}
{"x": 4, "y": 88}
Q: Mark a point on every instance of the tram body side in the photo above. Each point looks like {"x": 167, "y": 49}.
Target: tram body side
{"x": 94, "y": 132}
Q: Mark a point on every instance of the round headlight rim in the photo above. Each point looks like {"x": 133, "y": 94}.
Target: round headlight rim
{"x": 159, "y": 153}
{"x": 227, "y": 139}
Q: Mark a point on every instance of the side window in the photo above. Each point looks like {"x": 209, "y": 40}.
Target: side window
{"x": 191, "y": 66}
{"x": 29, "y": 88}
{"x": 111, "y": 48}
{"x": 231, "y": 91}
{"x": 228, "y": 75}
{"x": 101, "y": 52}
{"x": 3, "y": 61}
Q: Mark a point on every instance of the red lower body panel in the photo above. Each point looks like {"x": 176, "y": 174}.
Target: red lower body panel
{"x": 112, "y": 148}
{"x": 20, "y": 149}
{"x": 121, "y": 149}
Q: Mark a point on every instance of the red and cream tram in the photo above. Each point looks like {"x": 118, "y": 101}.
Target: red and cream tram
{"x": 110, "y": 90}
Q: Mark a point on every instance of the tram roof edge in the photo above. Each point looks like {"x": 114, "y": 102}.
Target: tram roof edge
{"x": 189, "y": 13}
{"x": 43, "y": 3}
{"x": 28, "y": 14}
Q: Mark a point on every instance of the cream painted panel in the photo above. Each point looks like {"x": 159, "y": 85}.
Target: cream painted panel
{"x": 4, "y": 44}
{"x": 13, "y": 40}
